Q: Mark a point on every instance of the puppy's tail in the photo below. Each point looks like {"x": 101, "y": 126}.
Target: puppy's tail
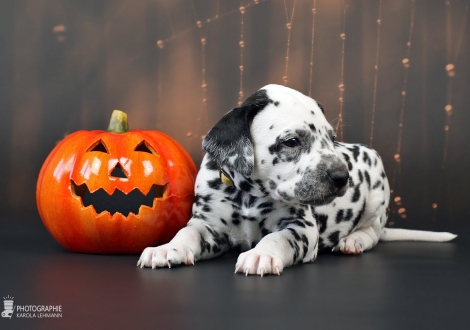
{"x": 397, "y": 234}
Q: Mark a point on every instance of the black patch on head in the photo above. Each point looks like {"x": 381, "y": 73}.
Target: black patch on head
{"x": 215, "y": 184}
{"x": 231, "y": 136}
{"x": 212, "y": 165}
{"x": 320, "y": 106}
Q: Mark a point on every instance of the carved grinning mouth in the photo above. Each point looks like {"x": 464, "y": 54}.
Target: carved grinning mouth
{"x": 118, "y": 202}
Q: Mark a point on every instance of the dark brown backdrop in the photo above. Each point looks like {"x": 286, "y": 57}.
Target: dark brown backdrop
{"x": 65, "y": 65}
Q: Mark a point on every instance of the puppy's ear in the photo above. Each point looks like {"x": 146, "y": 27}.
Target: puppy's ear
{"x": 229, "y": 141}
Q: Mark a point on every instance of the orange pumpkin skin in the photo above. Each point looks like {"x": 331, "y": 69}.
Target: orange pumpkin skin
{"x": 72, "y": 163}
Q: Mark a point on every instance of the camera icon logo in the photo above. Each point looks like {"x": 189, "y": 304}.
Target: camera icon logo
{"x": 8, "y": 306}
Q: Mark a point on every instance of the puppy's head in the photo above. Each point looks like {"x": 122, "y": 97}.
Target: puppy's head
{"x": 281, "y": 139}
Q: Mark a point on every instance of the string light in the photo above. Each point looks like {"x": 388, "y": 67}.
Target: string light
{"x": 289, "y": 28}
{"x": 376, "y": 74}
{"x": 339, "y": 124}
{"x": 242, "y": 46}
{"x": 406, "y": 65}
{"x": 314, "y": 13}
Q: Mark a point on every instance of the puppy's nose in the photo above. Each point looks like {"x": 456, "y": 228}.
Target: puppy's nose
{"x": 339, "y": 176}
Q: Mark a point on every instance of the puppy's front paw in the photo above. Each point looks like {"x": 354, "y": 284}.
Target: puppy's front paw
{"x": 166, "y": 255}
{"x": 258, "y": 262}
{"x": 350, "y": 245}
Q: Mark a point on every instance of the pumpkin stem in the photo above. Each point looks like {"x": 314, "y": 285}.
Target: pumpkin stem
{"x": 118, "y": 123}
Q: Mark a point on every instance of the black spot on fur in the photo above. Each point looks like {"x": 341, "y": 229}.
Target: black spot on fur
{"x": 272, "y": 184}
{"x": 284, "y": 222}
{"x": 334, "y": 237}
{"x": 350, "y": 166}
{"x": 275, "y": 161}
{"x": 356, "y": 195}
{"x": 321, "y": 221}
{"x": 355, "y": 150}
{"x": 245, "y": 186}
{"x": 349, "y": 215}
{"x": 367, "y": 178}
{"x": 377, "y": 184}
{"x": 359, "y": 215}
{"x": 313, "y": 128}
{"x": 339, "y": 216}
{"x": 366, "y": 159}
{"x": 215, "y": 184}
{"x": 294, "y": 233}
{"x": 276, "y": 103}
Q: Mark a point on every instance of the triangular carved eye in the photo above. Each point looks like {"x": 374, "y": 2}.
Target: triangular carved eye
{"x": 144, "y": 147}
{"x": 98, "y": 146}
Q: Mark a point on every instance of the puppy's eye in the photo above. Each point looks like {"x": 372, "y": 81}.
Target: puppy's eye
{"x": 291, "y": 143}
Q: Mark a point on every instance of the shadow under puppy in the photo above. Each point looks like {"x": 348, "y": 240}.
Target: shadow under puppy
{"x": 276, "y": 184}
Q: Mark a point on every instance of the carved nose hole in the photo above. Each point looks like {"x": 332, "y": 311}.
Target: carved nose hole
{"x": 118, "y": 172}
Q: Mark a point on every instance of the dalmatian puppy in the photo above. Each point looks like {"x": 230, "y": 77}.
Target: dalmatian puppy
{"x": 275, "y": 183}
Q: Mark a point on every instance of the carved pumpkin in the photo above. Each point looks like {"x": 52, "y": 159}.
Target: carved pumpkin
{"x": 117, "y": 191}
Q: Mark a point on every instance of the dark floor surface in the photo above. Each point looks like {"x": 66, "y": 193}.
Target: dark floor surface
{"x": 394, "y": 286}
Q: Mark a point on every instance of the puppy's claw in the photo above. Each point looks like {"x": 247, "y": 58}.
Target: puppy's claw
{"x": 246, "y": 273}
{"x": 278, "y": 272}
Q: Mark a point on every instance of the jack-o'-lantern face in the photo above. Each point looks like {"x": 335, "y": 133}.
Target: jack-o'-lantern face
{"x": 115, "y": 192}
{"x": 119, "y": 178}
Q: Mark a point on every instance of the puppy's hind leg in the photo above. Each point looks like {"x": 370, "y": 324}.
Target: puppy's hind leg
{"x": 360, "y": 240}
